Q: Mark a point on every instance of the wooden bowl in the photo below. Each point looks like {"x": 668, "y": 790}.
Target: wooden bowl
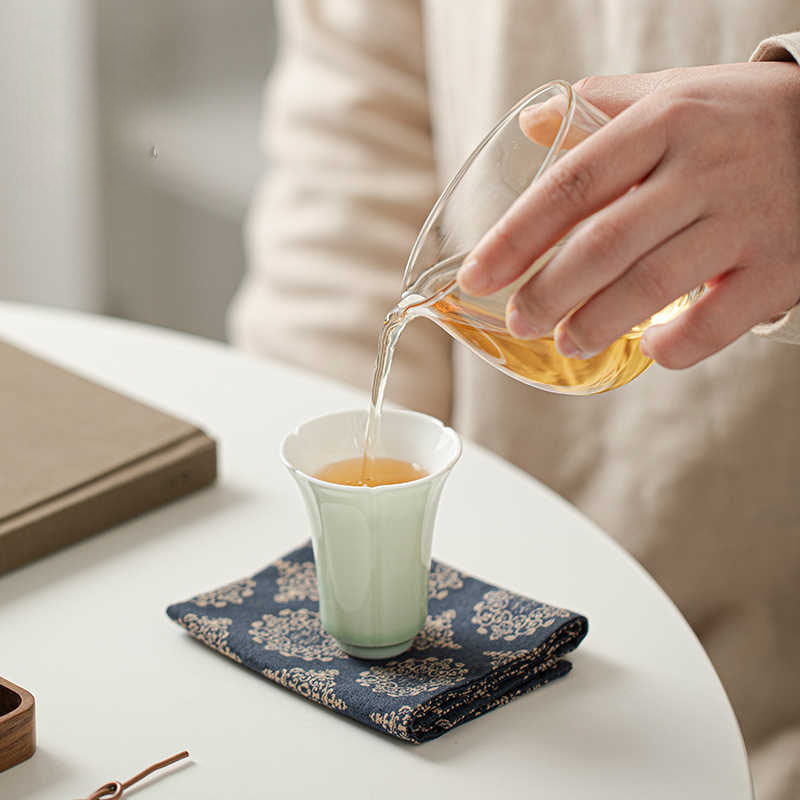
{"x": 17, "y": 725}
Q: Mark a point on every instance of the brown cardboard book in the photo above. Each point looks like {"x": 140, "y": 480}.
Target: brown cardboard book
{"x": 77, "y": 458}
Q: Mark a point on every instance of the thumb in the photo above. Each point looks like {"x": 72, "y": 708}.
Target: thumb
{"x": 612, "y": 94}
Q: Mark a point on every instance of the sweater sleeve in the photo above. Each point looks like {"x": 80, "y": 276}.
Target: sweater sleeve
{"x": 351, "y": 177}
{"x": 784, "y": 47}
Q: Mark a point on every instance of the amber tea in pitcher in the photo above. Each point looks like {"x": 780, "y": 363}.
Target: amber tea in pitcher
{"x": 492, "y": 178}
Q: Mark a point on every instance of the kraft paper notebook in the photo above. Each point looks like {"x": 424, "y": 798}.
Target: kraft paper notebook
{"x": 77, "y": 458}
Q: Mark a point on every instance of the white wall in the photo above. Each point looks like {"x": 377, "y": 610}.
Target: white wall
{"x": 185, "y": 76}
{"x": 48, "y": 198}
{"x": 88, "y": 219}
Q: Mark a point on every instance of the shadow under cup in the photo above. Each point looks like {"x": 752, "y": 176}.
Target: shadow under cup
{"x": 372, "y": 544}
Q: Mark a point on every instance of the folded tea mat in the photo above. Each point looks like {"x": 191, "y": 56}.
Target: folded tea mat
{"x": 480, "y": 647}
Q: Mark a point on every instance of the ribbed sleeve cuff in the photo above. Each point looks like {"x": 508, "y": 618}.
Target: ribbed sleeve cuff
{"x": 783, "y": 47}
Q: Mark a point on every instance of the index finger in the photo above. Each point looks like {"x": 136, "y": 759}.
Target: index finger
{"x": 587, "y": 178}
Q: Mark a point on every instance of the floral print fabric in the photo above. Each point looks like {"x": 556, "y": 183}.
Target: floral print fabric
{"x": 481, "y": 647}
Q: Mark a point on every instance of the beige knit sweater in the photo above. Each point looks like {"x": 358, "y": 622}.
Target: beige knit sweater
{"x": 371, "y": 108}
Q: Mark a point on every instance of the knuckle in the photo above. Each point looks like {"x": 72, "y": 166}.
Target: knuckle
{"x": 602, "y": 238}
{"x": 649, "y": 280}
{"x": 672, "y": 109}
{"x": 678, "y": 111}
{"x": 569, "y": 184}
{"x": 504, "y": 239}
{"x": 668, "y": 78}
{"x": 585, "y": 84}
{"x": 535, "y": 302}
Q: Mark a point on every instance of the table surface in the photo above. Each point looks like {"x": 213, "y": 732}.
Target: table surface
{"x": 119, "y": 686}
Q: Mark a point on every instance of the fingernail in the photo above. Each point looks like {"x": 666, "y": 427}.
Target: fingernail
{"x": 569, "y": 349}
{"x": 566, "y": 346}
{"x": 520, "y": 326}
{"x": 643, "y": 346}
{"x": 472, "y": 277}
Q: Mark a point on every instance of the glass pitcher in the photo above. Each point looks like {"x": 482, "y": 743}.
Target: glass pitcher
{"x": 497, "y": 172}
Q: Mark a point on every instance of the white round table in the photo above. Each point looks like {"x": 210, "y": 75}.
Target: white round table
{"x": 119, "y": 686}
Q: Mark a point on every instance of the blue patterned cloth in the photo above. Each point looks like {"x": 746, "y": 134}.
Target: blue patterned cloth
{"x": 481, "y": 647}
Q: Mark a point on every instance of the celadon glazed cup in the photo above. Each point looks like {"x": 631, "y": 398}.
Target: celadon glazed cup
{"x": 372, "y": 544}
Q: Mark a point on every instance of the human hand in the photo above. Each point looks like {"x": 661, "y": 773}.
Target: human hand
{"x": 714, "y": 154}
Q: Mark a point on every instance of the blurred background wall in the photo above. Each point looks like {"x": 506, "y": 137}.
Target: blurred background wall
{"x": 128, "y": 153}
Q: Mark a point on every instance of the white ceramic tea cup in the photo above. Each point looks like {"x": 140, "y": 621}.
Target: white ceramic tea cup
{"x": 372, "y": 544}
